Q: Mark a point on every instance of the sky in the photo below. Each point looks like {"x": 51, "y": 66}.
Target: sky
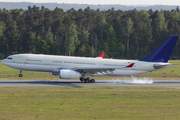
{"x": 123, "y": 2}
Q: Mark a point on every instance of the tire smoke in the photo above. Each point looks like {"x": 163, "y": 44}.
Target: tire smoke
{"x": 135, "y": 80}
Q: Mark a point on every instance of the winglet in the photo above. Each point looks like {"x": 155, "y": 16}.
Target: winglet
{"x": 101, "y": 55}
{"x": 131, "y": 65}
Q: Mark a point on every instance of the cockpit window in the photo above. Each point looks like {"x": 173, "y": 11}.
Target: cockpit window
{"x": 9, "y": 58}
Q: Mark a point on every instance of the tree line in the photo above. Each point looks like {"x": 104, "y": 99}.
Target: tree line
{"x": 119, "y": 34}
{"x": 76, "y": 6}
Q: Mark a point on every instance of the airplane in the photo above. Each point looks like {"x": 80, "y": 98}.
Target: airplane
{"x": 67, "y": 67}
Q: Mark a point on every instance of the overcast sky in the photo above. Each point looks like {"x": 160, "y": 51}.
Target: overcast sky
{"x": 123, "y": 2}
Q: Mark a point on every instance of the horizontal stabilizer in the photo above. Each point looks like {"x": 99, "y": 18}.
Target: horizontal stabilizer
{"x": 159, "y": 66}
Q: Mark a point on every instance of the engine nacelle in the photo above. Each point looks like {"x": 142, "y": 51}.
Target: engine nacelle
{"x": 69, "y": 74}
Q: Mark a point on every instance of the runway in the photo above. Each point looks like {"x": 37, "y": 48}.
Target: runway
{"x": 77, "y": 83}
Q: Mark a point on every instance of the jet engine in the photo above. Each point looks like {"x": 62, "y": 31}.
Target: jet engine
{"x": 69, "y": 74}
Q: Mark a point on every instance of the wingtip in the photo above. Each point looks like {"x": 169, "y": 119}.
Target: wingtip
{"x": 131, "y": 65}
{"x": 101, "y": 55}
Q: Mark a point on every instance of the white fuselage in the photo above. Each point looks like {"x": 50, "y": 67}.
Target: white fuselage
{"x": 50, "y": 63}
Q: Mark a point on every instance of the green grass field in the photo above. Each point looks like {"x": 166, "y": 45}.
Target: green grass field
{"x": 79, "y": 103}
{"x": 172, "y": 73}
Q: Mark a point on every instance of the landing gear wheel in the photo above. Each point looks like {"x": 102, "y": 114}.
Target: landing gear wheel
{"x": 92, "y": 81}
{"x": 82, "y": 79}
{"x": 86, "y": 80}
{"x": 20, "y": 75}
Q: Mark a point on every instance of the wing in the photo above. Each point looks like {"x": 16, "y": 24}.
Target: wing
{"x": 96, "y": 70}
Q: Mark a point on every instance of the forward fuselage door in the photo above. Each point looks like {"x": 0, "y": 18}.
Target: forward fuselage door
{"x": 19, "y": 61}
{"x": 46, "y": 62}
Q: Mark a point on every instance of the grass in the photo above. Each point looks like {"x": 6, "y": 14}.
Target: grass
{"x": 172, "y": 73}
{"x": 79, "y": 103}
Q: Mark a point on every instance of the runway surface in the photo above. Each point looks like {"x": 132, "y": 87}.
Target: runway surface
{"x": 77, "y": 83}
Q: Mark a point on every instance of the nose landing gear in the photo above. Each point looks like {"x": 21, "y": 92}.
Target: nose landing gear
{"x": 20, "y": 75}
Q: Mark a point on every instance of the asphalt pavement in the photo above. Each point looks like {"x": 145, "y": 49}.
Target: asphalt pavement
{"x": 77, "y": 83}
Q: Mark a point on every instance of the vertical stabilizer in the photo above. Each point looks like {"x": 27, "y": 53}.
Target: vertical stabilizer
{"x": 163, "y": 52}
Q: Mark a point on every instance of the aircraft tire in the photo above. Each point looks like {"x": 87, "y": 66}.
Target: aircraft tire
{"x": 20, "y": 75}
{"x": 92, "y": 81}
{"x": 82, "y": 79}
{"x": 86, "y": 80}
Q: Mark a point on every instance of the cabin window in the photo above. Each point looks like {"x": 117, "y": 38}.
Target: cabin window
{"x": 32, "y": 60}
{"x": 83, "y": 63}
{"x": 57, "y": 61}
{"x": 113, "y": 65}
{"x": 67, "y": 62}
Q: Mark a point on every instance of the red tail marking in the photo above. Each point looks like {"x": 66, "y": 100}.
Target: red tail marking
{"x": 101, "y": 55}
{"x": 130, "y": 65}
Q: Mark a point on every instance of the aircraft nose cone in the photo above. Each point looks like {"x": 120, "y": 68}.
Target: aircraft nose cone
{"x": 3, "y": 61}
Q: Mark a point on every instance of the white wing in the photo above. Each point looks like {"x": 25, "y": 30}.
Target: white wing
{"x": 95, "y": 70}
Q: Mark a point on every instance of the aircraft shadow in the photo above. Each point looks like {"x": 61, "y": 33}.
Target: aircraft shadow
{"x": 40, "y": 82}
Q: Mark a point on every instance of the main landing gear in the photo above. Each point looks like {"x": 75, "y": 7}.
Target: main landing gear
{"x": 20, "y": 75}
{"x": 87, "y": 80}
